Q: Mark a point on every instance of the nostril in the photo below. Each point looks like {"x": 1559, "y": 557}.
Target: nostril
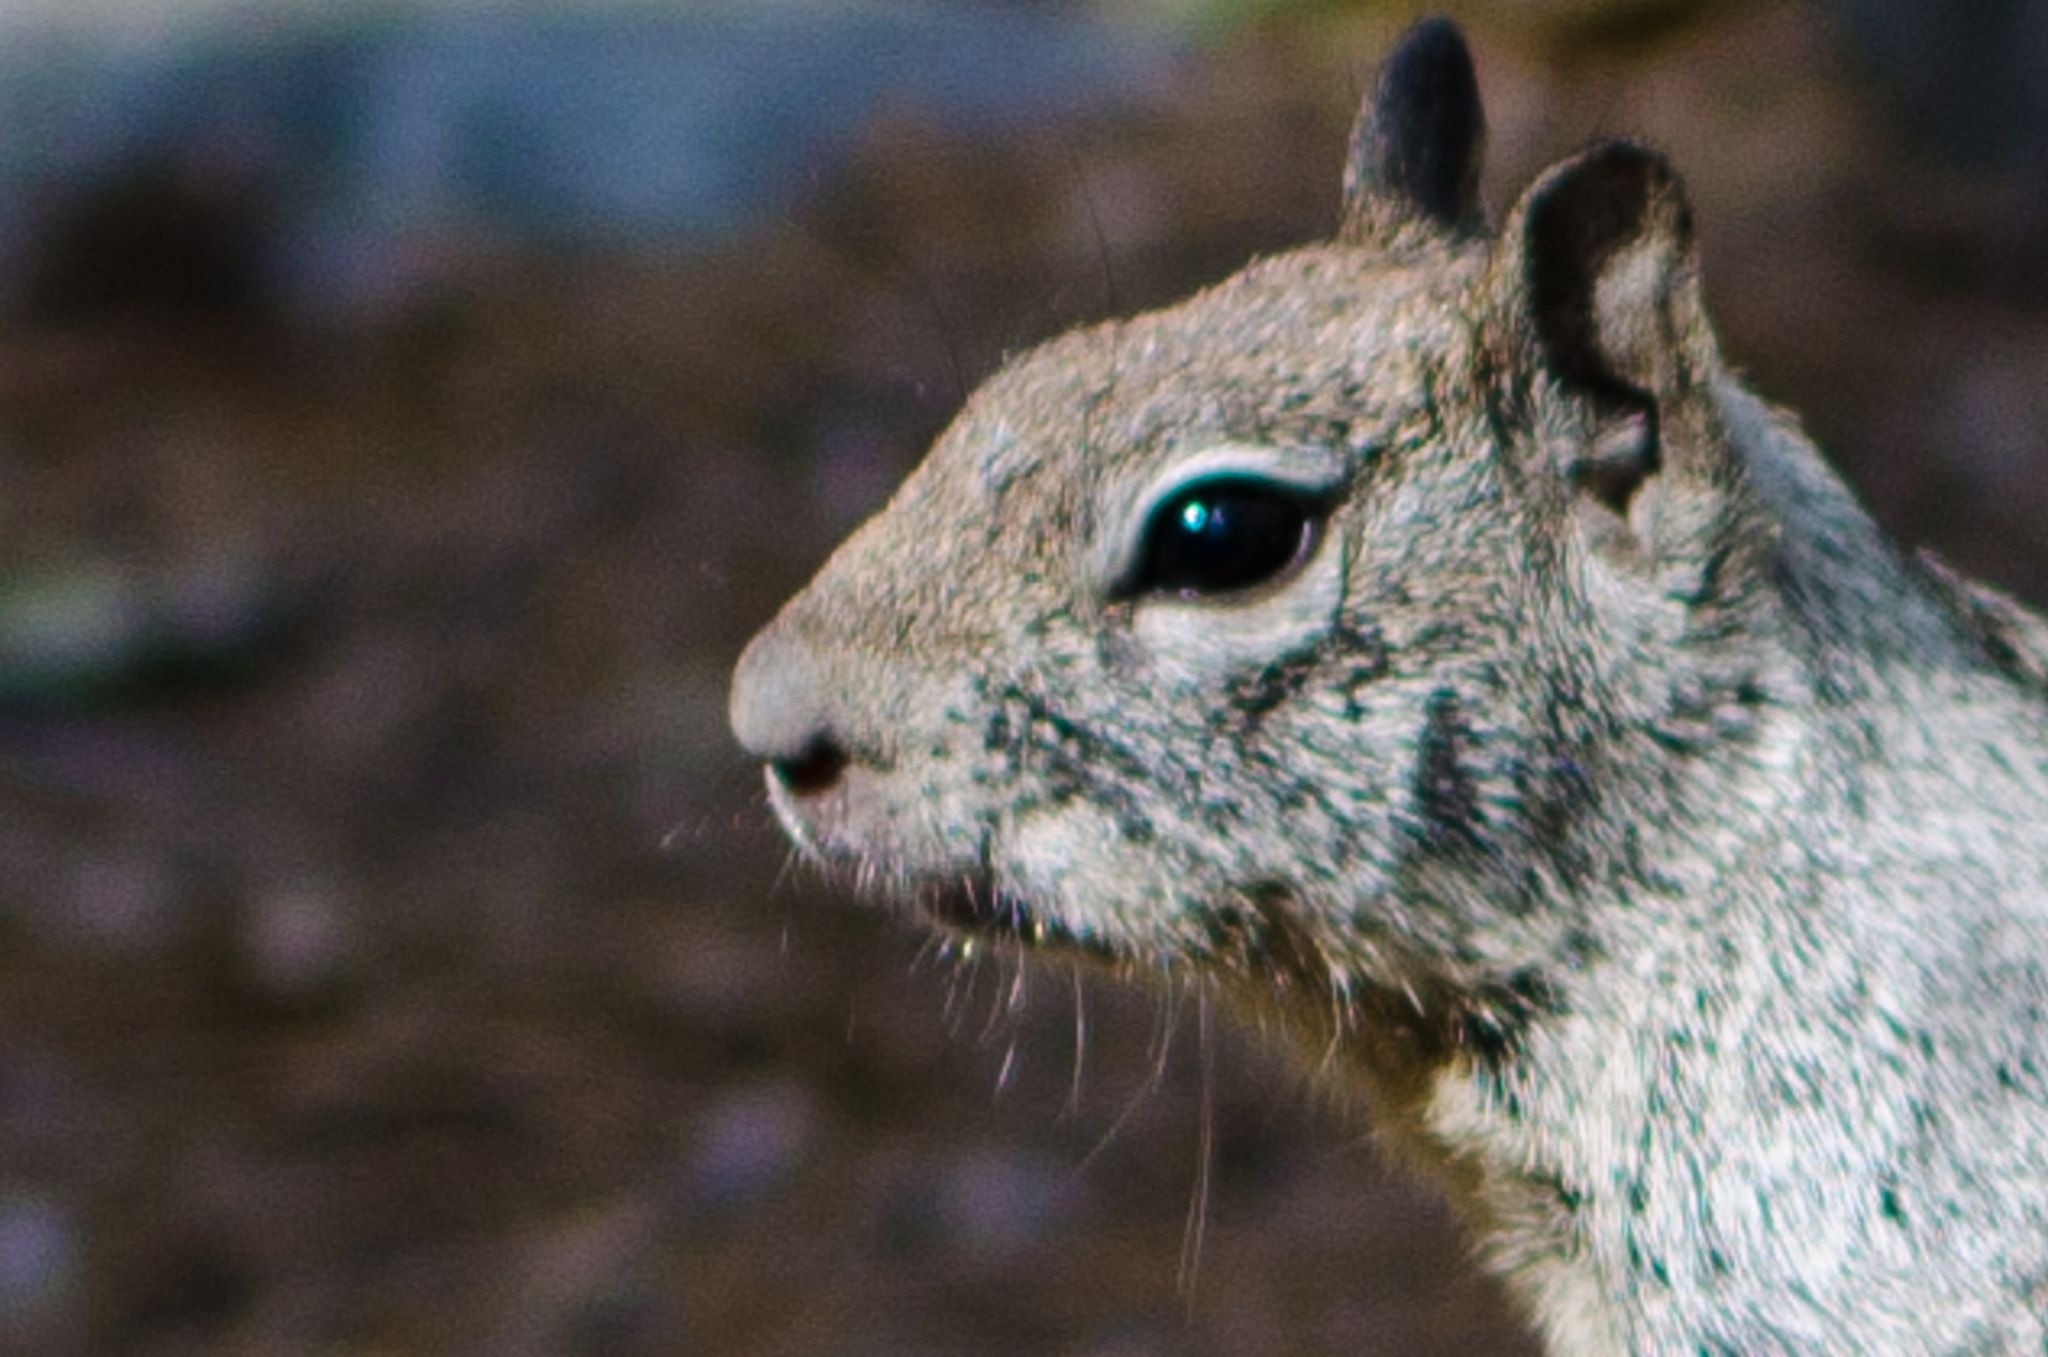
{"x": 780, "y": 714}
{"x": 813, "y": 771}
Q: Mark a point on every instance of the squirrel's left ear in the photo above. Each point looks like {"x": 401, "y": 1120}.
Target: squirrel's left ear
{"x": 1419, "y": 141}
{"x": 1599, "y": 272}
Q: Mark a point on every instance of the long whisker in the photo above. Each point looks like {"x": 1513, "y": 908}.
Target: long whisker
{"x": 1073, "y": 1108}
{"x": 1008, "y": 1068}
{"x": 1197, "y": 1225}
{"x": 1161, "y": 1047}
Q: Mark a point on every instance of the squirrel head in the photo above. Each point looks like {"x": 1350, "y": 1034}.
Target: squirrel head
{"x": 1289, "y": 632}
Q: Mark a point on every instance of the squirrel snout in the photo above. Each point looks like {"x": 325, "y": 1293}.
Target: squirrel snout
{"x": 778, "y": 714}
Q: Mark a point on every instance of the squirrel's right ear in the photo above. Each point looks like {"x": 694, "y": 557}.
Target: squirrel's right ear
{"x": 1597, "y": 266}
{"x": 1602, "y": 256}
{"x": 1419, "y": 141}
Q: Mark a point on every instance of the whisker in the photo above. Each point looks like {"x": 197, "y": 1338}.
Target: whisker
{"x": 999, "y": 1002}
{"x": 1014, "y": 1004}
{"x": 932, "y": 949}
{"x": 1073, "y": 1108}
{"x": 1162, "y": 1031}
{"x": 1078, "y": 171}
{"x": 786, "y": 872}
{"x": 1008, "y": 1069}
{"x": 1196, "y": 1228}
{"x": 960, "y": 987}
{"x": 1161, "y": 1044}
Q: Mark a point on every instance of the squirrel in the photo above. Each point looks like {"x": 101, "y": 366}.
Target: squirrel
{"x": 1424, "y": 640}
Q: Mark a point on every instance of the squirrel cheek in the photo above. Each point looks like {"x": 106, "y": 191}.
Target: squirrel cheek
{"x": 1073, "y": 862}
{"x": 1208, "y": 639}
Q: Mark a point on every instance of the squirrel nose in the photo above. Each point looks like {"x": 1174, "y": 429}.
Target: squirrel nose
{"x": 778, "y": 713}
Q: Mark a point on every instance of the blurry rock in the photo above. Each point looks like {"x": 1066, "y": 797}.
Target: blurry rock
{"x": 41, "y": 1255}
{"x": 997, "y": 1200}
{"x": 580, "y": 1281}
{"x": 300, "y": 946}
{"x": 196, "y": 1287}
{"x": 153, "y": 243}
{"x": 61, "y": 629}
{"x": 344, "y": 166}
{"x": 751, "y": 1141}
{"x": 1968, "y": 78}
{"x": 45, "y": 1112}
{"x": 978, "y": 1205}
{"x": 126, "y": 898}
{"x": 704, "y": 975}
{"x": 91, "y": 629}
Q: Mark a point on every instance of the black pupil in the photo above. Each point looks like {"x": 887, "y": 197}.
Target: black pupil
{"x": 1221, "y": 536}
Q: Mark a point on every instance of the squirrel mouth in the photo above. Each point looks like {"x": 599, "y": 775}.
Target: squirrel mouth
{"x": 975, "y": 906}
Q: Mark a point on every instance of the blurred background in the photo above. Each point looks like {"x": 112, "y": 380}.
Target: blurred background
{"x": 408, "y": 409}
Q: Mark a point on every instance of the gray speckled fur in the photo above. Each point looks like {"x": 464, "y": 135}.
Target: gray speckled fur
{"x": 1665, "y": 867}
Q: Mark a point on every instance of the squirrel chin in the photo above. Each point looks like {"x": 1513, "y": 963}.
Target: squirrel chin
{"x": 972, "y": 907}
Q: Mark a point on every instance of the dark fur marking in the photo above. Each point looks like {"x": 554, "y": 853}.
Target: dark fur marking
{"x": 1444, "y": 792}
{"x": 1249, "y": 698}
{"x": 1889, "y": 1204}
{"x": 1997, "y": 624}
{"x": 1556, "y": 794}
{"x": 1079, "y": 763}
{"x": 1253, "y": 696}
{"x": 1487, "y": 1025}
{"x": 1493, "y": 1026}
{"x": 1570, "y": 1198}
{"x": 1261, "y": 940}
{"x": 1362, "y": 652}
{"x": 1581, "y": 949}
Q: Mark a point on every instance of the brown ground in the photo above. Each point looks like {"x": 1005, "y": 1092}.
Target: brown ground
{"x": 415, "y": 971}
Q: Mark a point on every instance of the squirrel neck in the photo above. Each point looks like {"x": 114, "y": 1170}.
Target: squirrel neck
{"x": 1638, "y": 1145}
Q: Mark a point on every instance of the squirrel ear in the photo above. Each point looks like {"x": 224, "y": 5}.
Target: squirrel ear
{"x": 1607, "y": 268}
{"x": 1419, "y": 141}
{"x": 1605, "y": 278}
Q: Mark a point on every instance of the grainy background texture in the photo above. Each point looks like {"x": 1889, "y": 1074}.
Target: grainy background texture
{"x": 395, "y": 451}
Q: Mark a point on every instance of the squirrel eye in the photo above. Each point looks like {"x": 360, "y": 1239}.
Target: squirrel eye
{"x": 1222, "y": 535}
